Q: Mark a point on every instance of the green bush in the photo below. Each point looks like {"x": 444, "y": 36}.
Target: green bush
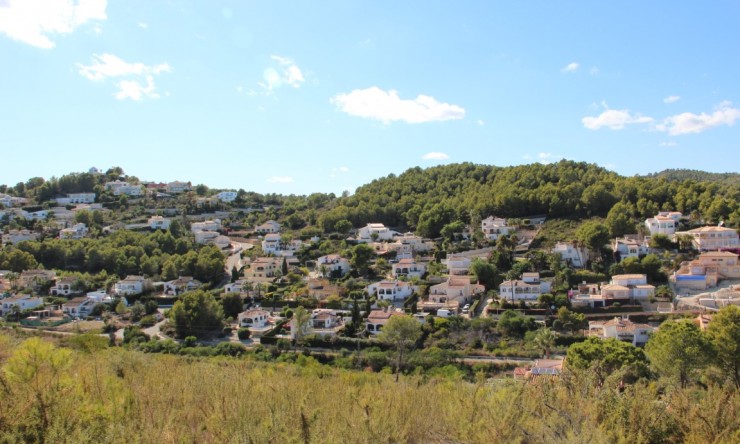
{"x": 243, "y": 334}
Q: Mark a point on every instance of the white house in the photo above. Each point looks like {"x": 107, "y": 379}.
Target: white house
{"x": 663, "y": 223}
{"x": 519, "y": 290}
{"x": 159, "y": 223}
{"x": 79, "y": 307}
{"x": 378, "y": 318}
{"x": 264, "y": 268}
{"x": 409, "y": 268}
{"x": 119, "y": 187}
{"x": 64, "y": 287}
{"x": 15, "y": 236}
{"x": 457, "y": 265}
{"x": 23, "y": 302}
{"x": 333, "y": 263}
{"x": 268, "y": 227}
{"x": 208, "y": 225}
{"x": 571, "y": 254}
{"x": 628, "y": 286}
{"x": 374, "y": 231}
{"x": 621, "y": 329}
{"x": 76, "y": 231}
{"x": 390, "y": 290}
{"x": 322, "y": 319}
{"x": 254, "y": 317}
{"x": 226, "y": 196}
{"x": 495, "y": 227}
{"x": 713, "y": 238}
{"x": 178, "y": 187}
{"x": 181, "y": 285}
{"x": 132, "y": 285}
{"x": 76, "y": 198}
{"x": 628, "y": 247}
{"x": 454, "y": 292}
{"x": 11, "y": 201}
{"x": 271, "y": 243}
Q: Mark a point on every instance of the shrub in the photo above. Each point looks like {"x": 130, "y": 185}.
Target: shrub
{"x": 243, "y": 334}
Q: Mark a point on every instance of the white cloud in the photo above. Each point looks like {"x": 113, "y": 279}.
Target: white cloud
{"x": 143, "y": 25}
{"x": 340, "y": 170}
{"x": 594, "y": 70}
{"x": 690, "y": 123}
{"x": 546, "y": 158}
{"x": 137, "y": 79}
{"x": 435, "y": 156}
{"x": 480, "y": 122}
{"x": 280, "y": 179}
{"x": 287, "y": 72}
{"x": 571, "y": 67}
{"x": 36, "y": 22}
{"x": 668, "y": 144}
{"x": 374, "y": 103}
{"x": 671, "y": 99}
{"x": 614, "y": 119}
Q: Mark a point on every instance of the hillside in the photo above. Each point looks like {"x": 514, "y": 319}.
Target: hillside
{"x": 695, "y": 175}
{"x": 424, "y": 200}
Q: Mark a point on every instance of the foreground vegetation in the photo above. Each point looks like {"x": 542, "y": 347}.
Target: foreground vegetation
{"x": 86, "y": 392}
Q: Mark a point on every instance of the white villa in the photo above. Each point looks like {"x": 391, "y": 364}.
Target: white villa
{"x": 178, "y": 187}
{"x": 629, "y": 247}
{"x": 713, "y": 238}
{"x": 528, "y": 288}
{"x": 622, "y": 329}
{"x": 23, "y": 302}
{"x": 453, "y": 293}
{"x": 457, "y": 265}
{"x": 494, "y": 227}
{"x": 264, "y": 268}
{"x": 226, "y": 196}
{"x": 333, "y": 263}
{"x": 271, "y": 243}
{"x": 268, "y": 227}
{"x": 76, "y": 231}
{"x": 374, "y": 231}
{"x": 159, "y": 223}
{"x": 571, "y": 254}
{"x": 409, "y": 268}
{"x": 208, "y": 225}
{"x": 378, "y": 318}
{"x": 254, "y": 317}
{"x": 79, "y": 307}
{"x": 118, "y": 188}
{"x": 181, "y": 285}
{"x": 15, "y": 236}
{"x": 132, "y": 285}
{"x": 390, "y": 290}
{"x": 76, "y": 198}
{"x": 664, "y": 222}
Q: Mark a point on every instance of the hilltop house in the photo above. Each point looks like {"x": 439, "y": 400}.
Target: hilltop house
{"x": 226, "y": 196}
{"x": 178, "y": 187}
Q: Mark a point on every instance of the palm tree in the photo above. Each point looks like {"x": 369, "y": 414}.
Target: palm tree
{"x": 545, "y": 340}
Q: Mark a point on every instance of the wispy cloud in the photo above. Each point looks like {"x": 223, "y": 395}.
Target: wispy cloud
{"x": 594, "y": 70}
{"x": 671, "y": 99}
{"x": 480, "y": 122}
{"x": 668, "y": 144}
{"x": 285, "y": 72}
{"x": 615, "y": 119}
{"x": 280, "y": 179}
{"x": 339, "y": 170}
{"x": 143, "y": 25}
{"x": 36, "y": 22}
{"x": 387, "y": 106}
{"x": 435, "y": 156}
{"x": 570, "y": 67}
{"x": 690, "y": 123}
{"x": 136, "y": 79}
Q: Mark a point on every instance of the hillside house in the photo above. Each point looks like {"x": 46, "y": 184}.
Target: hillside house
{"x": 706, "y": 271}
{"x": 390, "y": 290}
{"x": 621, "y": 329}
{"x": 408, "y": 268}
{"x": 131, "y": 285}
{"x": 159, "y": 223}
{"x": 23, "y": 302}
{"x": 495, "y": 227}
{"x": 713, "y": 238}
{"x": 378, "y": 318}
{"x": 375, "y": 232}
{"x": 181, "y": 285}
{"x": 332, "y": 264}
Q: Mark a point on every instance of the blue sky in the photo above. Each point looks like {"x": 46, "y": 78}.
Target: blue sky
{"x": 324, "y": 96}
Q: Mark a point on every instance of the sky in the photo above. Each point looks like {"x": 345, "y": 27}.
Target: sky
{"x": 295, "y": 97}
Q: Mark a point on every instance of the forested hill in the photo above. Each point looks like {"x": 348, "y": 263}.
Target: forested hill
{"x": 424, "y": 200}
{"x": 697, "y": 175}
